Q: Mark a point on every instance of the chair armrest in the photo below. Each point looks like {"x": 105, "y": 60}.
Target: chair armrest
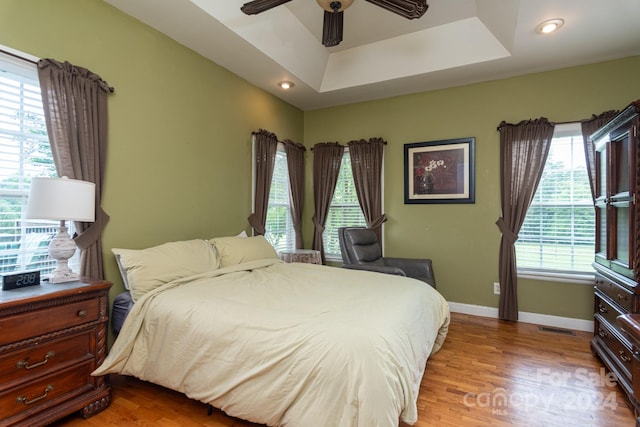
{"x": 386, "y": 269}
{"x": 413, "y": 267}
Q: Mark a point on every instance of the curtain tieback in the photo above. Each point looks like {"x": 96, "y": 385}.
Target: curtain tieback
{"x": 93, "y": 232}
{"x": 255, "y": 223}
{"x": 319, "y": 227}
{"x": 506, "y": 231}
{"x": 377, "y": 222}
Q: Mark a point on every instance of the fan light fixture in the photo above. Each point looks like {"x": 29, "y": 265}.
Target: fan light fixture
{"x": 334, "y": 6}
{"x": 332, "y": 25}
{"x": 286, "y": 85}
{"x": 549, "y": 26}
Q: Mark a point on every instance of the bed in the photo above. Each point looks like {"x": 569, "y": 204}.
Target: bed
{"x": 277, "y": 343}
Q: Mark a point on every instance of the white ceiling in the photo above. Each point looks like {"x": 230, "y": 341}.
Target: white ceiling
{"x": 382, "y": 54}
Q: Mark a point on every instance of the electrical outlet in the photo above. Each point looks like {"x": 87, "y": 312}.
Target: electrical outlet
{"x": 496, "y": 288}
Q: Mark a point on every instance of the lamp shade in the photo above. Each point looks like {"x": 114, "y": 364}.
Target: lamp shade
{"x": 61, "y": 199}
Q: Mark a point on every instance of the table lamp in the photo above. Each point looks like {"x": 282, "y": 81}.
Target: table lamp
{"x": 61, "y": 199}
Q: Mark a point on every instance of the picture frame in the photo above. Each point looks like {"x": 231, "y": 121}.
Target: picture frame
{"x": 440, "y": 171}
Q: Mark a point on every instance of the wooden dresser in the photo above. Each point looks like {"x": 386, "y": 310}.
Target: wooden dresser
{"x": 630, "y": 325}
{"x": 52, "y": 337}
{"x": 617, "y": 258}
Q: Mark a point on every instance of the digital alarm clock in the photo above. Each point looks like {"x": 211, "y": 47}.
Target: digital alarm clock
{"x": 20, "y": 280}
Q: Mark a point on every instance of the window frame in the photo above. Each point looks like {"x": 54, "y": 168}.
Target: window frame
{"x": 337, "y": 257}
{"x": 28, "y": 237}
{"x": 290, "y": 237}
{"x": 558, "y": 275}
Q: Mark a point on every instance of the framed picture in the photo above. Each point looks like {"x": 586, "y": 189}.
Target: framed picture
{"x": 440, "y": 171}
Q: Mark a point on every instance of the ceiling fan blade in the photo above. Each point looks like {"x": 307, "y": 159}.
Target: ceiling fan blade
{"x": 256, "y": 6}
{"x": 332, "y": 28}
{"x": 411, "y": 9}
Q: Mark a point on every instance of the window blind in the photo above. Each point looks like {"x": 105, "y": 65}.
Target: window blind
{"x": 558, "y": 233}
{"x": 344, "y": 210}
{"x": 24, "y": 153}
{"x": 279, "y": 225}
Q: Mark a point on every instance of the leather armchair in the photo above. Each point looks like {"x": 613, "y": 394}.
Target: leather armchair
{"x": 362, "y": 251}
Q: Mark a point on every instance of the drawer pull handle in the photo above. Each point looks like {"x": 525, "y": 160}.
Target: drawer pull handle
{"x": 622, "y": 297}
{"x": 25, "y": 363}
{"x": 82, "y": 313}
{"x": 602, "y": 309}
{"x": 602, "y": 333}
{"x": 624, "y": 357}
{"x": 24, "y": 400}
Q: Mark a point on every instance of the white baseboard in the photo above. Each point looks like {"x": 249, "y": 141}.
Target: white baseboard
{"x": 535, "y": 318}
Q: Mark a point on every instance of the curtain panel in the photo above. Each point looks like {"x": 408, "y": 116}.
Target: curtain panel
{"x": 265, "y": 146}
{"x": 295, "y": 165}
{"x": 589, "y": 127}
{"x": 75, "y": 108}
{"x": 366, "y": 165}
{"x": 524, "y": 148}
{"x": 327, "y": 158}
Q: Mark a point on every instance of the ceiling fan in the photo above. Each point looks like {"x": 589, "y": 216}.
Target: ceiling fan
{"x": 333, "y": 20}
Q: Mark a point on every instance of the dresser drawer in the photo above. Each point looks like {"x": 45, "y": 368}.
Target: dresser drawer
{"x": 620, "y": 354}
{"x": 46, "y": 357}
{"x": 30, "y": 324}
{"x": 46, "y": 391}
{"x": 609, "y": 312}
{"x": 621, "y": 295}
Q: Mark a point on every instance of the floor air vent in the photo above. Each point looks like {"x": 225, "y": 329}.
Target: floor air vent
{"x": 556, "y": 330}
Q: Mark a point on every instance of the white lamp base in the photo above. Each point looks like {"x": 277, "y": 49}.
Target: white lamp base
{"x": 61, "y": 248}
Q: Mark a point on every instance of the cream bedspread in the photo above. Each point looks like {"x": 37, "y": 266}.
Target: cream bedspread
{"x": 287, "y": 344}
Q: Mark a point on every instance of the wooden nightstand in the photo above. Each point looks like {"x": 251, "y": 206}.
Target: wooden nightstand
{"x": 52, "y": 337}
{"x": 309, "y": 256}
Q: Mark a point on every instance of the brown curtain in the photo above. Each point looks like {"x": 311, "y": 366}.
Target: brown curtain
{"x": 588, "y": 127}
{"x": 524, "y": 148}
{"x": 265, "y": 146}
{"x": 75, "y": 109}
{"x": 366, "y": 165}
{"x": 295, "y": 165}
{"x": 327, "y": 158}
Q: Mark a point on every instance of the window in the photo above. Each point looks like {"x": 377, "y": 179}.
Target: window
{"x": 24, "y": 153}
{"x": 344, "y": 210}
{"x": 557, "y": 237}
{"x": 279, "y": 226}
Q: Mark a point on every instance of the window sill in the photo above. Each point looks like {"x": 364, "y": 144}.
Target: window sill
{"x": 556, "y": 276}
{"x": 333, "y": 258}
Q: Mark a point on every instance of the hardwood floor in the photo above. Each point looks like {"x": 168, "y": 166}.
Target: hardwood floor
{"x": 488, "y": 373}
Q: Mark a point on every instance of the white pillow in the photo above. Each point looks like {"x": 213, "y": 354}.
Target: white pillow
{"x": 145, "y": 269}
{"x": 236, "y": 250}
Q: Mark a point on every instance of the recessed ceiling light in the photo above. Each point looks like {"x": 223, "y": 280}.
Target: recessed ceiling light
{"x": 549, "y": 26}
{"x": 286, "y": 85}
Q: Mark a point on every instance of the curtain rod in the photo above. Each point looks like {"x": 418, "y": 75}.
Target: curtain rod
{"x": 18, "y": 56}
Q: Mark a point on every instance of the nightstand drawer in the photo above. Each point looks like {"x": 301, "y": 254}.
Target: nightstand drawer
{"x": 21, "y": 365}
{"x": 30, "y": 324}
{"x": 45, "y": 391}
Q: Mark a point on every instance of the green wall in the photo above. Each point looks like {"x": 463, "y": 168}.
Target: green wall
{"x": 179, "y": 159}
{"x": 462, "y": 239}
{"x": 179, "y": 155}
